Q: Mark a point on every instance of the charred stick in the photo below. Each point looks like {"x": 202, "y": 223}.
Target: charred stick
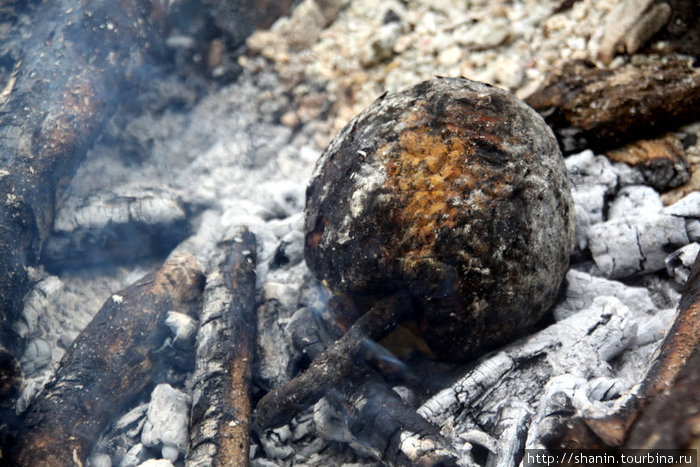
{"x": 382, "y": 420}
{"x": 589, "y": 107}
{"x": 220, "y": 420}
{"x": 332, "y": 366}
{"x": 109, "y": 364}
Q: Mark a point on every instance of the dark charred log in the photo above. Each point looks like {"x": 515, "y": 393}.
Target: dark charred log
{"x": 109, "y": 364}
{"x": 383, "y": 423}
{"x": 333, "y": 366}
{"x": 661, "y": 161}
{"x": 63, "y": 87}
{"x": 589, "y": 107}
{"x": 220, "y": 421}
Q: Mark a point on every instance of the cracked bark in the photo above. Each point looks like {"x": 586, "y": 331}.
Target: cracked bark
{"x": 220, "y": 420}
{"x": 595, "y": 108}
{"x": 109, "y": 364}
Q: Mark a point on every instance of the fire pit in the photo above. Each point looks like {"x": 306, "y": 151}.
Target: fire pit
{"x": 153, "y": 286}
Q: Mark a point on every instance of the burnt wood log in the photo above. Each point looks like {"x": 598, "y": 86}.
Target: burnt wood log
{"x": 109, "y": 364}
{"x": 377, "y": 419}
{"x": 221, "y": 408}
{"x": 64, "y": 86}
{"x": 589, "y": 107}
{"x": 333, "y": 366}
{"x": 663, "y": 412}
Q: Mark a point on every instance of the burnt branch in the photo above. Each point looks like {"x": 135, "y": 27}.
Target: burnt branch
{"x": 332, "y": 366}
{"x": 597, "y": 108}
{"x": 109, "y": 364}
{"x": 220, "y": 421}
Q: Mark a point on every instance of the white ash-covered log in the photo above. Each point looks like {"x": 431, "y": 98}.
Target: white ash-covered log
{"x": 445, "y": 207}
{"x": 120, "y": 227}
{"x": 221, "y": 406}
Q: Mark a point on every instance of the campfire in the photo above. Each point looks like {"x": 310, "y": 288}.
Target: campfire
{"x": 326, "y": 232}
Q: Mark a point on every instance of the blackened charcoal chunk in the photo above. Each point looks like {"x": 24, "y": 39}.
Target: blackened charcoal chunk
{"x": 456, "y": 192}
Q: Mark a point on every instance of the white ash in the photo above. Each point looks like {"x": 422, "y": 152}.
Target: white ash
{"x": 136, "y": 456}
{"x": 628, "y": 246}
{"x": 688, "y": 206}
{"x": 635, "y": 200}
{"x": 166, "y": 421}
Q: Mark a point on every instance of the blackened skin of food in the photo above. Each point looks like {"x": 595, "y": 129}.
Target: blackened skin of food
{"x": 456, "y": 192}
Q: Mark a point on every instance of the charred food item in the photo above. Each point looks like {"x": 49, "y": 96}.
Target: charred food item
{"x": 444, "y": 207}
{"x": 455, "y": 192}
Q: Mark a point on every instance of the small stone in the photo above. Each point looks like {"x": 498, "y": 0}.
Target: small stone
{"x": 485, "y": 34}
{"x": 450, "y": 56}
{"x": 624, "y": 247}
{"x": 509, "y": 72}
{"x": 382, "y": 47}
{"x": 679, "y": 263}
{"x": 167, "y": 418}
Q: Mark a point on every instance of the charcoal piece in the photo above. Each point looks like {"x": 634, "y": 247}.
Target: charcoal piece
{"x": 451, "y": 191}
{"x": 335, "y": 366}
{"x": 661, "y": 161}
{"x": 221, "y": 406}
{"x": 109, "y": 365}
{"x": 626, "y": 246}
{"x": 600, "y": 108}
{"x": 115, "y": 228}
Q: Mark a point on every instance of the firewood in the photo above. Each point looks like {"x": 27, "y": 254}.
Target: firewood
{"x": 661, "y": 160}
{"x": 60, "y": 93}
{"x": 662, "y": 413}
{"x": 375, "y": 417}
{"x": 221, "y": 409}
{"x": 597, "y": 108}
{"x": 108, "y": 365}
{"x": 332, "y": 366}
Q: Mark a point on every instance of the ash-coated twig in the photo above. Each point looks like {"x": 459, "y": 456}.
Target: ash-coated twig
{"x": 332, "y": 366}
{"x": 220, "y": 420}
